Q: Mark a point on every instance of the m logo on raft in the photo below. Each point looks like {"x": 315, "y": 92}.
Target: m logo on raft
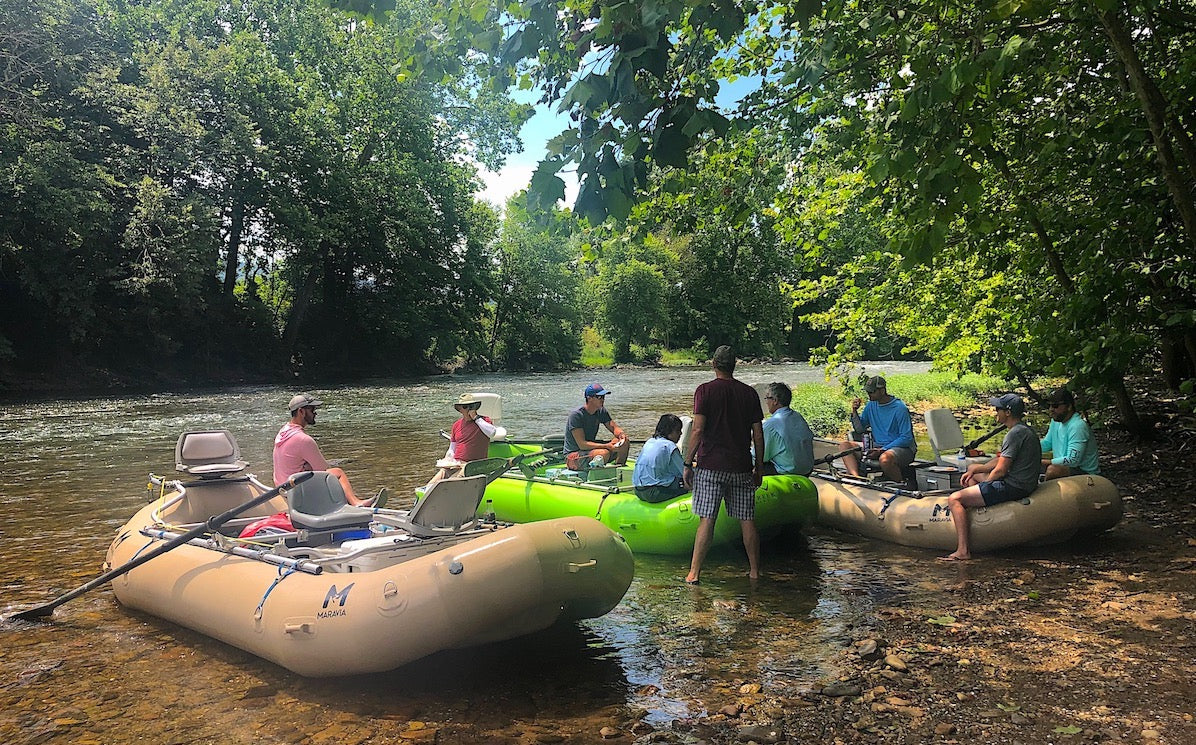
{"x": 334, "y": 595}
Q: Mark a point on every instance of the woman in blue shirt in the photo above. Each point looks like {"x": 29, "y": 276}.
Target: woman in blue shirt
{"x": 658, "y": 469}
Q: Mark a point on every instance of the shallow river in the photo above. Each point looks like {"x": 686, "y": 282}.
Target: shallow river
{"x": 75, "y": 470}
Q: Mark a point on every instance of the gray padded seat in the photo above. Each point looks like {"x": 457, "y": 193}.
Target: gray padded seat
{"x": 448, "y": 506}
{"x": 208, "y": 454}
{"x": 946, "y": 438}
{"x": 319, "y": 504}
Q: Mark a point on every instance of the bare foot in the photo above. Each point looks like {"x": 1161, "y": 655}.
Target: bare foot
{"x": 956, "y": 557}
{"x": 691, "y": 580}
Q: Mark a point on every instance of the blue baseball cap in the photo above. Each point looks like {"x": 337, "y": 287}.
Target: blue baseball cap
{"x": 594, "y": 389}
{"x": 1010, "y": 401}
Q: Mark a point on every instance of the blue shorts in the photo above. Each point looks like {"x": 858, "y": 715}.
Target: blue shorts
{"x": 995, "y": 492}
{"x": 738, "y": 490}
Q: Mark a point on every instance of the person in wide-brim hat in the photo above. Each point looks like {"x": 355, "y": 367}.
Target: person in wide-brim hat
{"x": 469, "y": 439}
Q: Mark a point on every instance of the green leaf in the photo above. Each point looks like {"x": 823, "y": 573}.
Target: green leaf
{"x": 947, "y": 620}
{"x": 546, "y": 188}
{"x": 1071, "y": 729}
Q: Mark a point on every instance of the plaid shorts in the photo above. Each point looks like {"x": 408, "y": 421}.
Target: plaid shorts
{"x": 738, "y": 490}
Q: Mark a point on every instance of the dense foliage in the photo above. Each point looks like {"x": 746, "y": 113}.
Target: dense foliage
{"x": 1028, "y": 167}
{"x": 1006, "y": 187}
{"x": 189, "y": 187}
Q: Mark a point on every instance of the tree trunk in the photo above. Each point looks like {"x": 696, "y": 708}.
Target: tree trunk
{"x": 299, "y": 306}
{"x": 233, "y": 247}
{"x": 1163, "y": 126}
{"x": 1125, "y": 407}
{"x": 1054, "y": 260}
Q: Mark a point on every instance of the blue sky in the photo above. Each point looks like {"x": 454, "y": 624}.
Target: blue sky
{"x": 517, "y": 173}
{"x": 545, "y": 124}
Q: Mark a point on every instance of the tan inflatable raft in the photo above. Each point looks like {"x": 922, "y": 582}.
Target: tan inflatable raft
{"x": 1056, "y": 511}
{"x": 340, "y": 595}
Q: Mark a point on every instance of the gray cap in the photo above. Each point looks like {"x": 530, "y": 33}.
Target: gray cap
{"x": 303, "y": 399}
{"x": 875, "y": 383}
{"x": 1010, "y": 401}
{"x": 724, "y": 358}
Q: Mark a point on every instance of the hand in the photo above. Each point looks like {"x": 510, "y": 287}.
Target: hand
{"x": 687, "y": 476}
{"x": 855, "y": 405}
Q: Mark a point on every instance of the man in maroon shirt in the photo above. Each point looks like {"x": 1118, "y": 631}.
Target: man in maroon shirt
{"x": 719, "y": 462}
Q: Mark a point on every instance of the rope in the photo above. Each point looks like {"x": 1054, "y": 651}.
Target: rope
{"x": 283, "y": 573}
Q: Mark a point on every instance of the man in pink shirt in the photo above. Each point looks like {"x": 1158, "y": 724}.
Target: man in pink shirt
{"x": 295, "y": 450}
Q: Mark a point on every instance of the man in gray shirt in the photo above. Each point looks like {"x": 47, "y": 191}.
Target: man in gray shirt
{"x": 1013, "y": 474}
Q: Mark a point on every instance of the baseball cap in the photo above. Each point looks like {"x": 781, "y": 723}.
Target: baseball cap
{"x": 594, "y": 389}
{"x": 303, "y": 399}
{"x": 724, "y": 358}
{"x": 874, "y": 384}
{"x": 1062, "y": 396}
{"x": 1010, "y": 401}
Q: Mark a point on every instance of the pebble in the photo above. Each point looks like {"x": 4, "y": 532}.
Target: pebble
{"x": 841, "y": 689}
{"x": 896, "y": 663}
{"x": 868, "y": 649}
{"x": 607, "y": 733}
{"x": 730, "y": 710}
{"x": 758, "y": 733}
{"x": 1150, "y": 734}
{"x": 944, "y": 728}
{"x": 748, "y": 688}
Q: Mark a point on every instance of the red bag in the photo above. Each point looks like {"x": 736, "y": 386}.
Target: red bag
{"x": 277, "y": 523}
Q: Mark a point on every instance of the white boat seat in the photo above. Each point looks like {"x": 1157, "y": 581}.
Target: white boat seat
{"x": 946, "y": 438}
{"x": 448, "y": 506}
{"x": 319, "y": 504}
{"x": 208, "y": 454}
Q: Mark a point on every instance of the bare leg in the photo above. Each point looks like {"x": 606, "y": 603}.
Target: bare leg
{"x": 621, "y": 452}
{"x": 701, "y": 546}
{"x": 888, "y": 464}
{"x": 850, "y": 461}
{"x": 958, "y": 503}
{"x": 350, "y": 495}
{"x": 751, "y": 543}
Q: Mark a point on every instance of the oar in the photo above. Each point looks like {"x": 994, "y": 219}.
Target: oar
{"x": 836, "y": 456}
{"x": 980, "y": 440}
{"x": 212, "y": 525}
{"x": 495, "y": 467}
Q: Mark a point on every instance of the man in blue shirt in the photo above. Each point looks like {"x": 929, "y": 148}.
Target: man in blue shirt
{"x": 892, "y": 446}
{"x": 659, "y": 469}
{"x": 788, "y": 441}
{"x": 1068, "y": 440}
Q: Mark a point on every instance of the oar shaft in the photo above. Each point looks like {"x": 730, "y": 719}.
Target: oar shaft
{"x": 980, "y": 440}
{"x": 213, "y": 524}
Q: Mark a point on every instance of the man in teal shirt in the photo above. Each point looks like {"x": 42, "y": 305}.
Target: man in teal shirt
{"x": 788, "y": 441}
{"x": 1068, "y": 440}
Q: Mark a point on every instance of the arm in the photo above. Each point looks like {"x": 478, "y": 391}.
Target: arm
{"x": 969, "y": 476}
{"x": 758, "y": 449}
{"x": 1076, "y": 444}
{"x": 485, "y": 425}
{"x": 616, "y": 430}
{"x": 695, "y": 442}
{"x": 579, "y": 435}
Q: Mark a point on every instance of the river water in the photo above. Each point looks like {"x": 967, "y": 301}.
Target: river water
{"x": 75, "y": 470}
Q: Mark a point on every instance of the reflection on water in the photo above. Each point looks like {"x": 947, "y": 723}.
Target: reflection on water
{"x": 101, "y": 673}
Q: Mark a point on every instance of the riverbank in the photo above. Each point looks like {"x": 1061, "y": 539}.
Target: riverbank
{"x": 1080, "y": 643}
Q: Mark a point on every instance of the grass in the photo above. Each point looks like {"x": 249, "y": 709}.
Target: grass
{"x": 827, "y": 408}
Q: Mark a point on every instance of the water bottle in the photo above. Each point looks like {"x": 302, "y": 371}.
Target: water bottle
{"x": 489, "y": 518}
{"x": 961, "y": 462}
{"x": 598, "y": 462}
{"x": 867, "y": 442}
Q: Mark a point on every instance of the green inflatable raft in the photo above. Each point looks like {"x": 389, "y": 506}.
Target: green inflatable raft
{"x": 546, "y": 490}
